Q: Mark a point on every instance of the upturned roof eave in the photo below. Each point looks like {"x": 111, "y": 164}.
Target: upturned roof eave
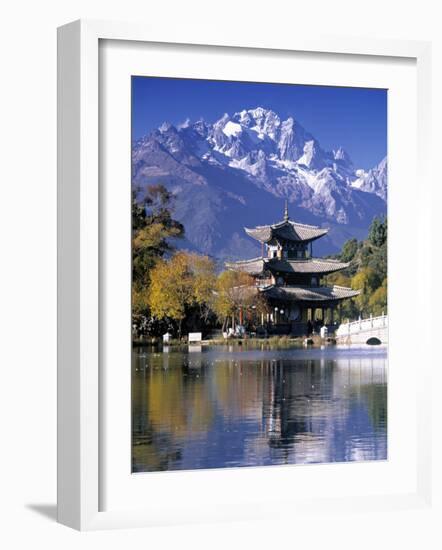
{"x": 256, "y": 266}
{"x": 252, "y": 232}
{"x": 317, "y": 298}
{"x": 313, "y": 261}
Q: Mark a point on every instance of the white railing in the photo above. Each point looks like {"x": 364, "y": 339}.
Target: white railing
{"x": 361, "y": 325}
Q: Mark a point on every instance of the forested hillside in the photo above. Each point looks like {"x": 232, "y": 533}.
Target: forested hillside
{"x": 367, "y": 272}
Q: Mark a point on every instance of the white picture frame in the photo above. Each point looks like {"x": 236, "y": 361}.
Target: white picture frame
{"x": 79, "y": 265}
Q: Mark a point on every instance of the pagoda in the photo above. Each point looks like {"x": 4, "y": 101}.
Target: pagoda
{"x": 291, "y": 279}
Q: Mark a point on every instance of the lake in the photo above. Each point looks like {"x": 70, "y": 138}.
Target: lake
{"x": 230, "y": 406}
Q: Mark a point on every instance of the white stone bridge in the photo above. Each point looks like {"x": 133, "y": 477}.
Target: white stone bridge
{"x": 373, "y": 330}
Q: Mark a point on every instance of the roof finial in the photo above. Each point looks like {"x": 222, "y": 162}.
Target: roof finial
{"x": 286, "y": 211}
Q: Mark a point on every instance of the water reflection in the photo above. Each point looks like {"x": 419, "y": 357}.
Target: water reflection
{"x": 220, "y": 407}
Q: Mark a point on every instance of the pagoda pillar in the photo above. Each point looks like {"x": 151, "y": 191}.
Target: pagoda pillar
{"x": 304, "y": 315}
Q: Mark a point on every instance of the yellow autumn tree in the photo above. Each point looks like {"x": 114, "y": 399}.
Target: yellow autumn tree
{"x": 367, "y": 281}
{"x": 236, "y": 290}
{"x": 202, "y": 279}
{"x": 378, "y": 300}
{"x": 184, "y": 281}
{"x": 339, "y": 279}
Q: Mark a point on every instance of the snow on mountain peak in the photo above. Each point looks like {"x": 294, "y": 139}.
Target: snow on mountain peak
{"x": 232, "y": 128}
{"x": 260, "y": 115}
{"x": 184, "y": 124}
{"x": 165, "y": 127}
{"x": 382, "y": 166}
{"x": 259, "y": 112}
{"x": 263, "y": 121}
{"x": 341, "y": 154}
{"x": 374, "y": 180}
{"x": 201, "y": 127}
{"x": 312, "y": 156}
{"x": 276, "y": 155}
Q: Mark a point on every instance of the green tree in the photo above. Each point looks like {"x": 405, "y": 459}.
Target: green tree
{"x": 367, "y": 272}
{"x": 349, "y": 250}
{"x": 377, "y": 234}
{"x": 378, "y": 262}
{"x": 152, "y": 230}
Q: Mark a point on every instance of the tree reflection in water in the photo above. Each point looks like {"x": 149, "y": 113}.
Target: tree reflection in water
{"x": 223, "y": 408}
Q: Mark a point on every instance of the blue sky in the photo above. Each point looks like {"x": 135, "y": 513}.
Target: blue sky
{"x": 354, "y": 118}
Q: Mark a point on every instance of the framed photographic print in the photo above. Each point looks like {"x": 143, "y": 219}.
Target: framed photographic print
{"x": 234, "y": 251}
{"x": 241, "y": 355}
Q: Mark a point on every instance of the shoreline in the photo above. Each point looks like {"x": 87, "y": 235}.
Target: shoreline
{"x": 284, "y": 340}
{"x": 277, "y": 342}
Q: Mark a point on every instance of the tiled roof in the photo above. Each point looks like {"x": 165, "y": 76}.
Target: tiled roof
{"x": 309, "y": 294}
{"x": 256, "y": 266}
{"x": 286, "y": 230}
{"x": 311, "y": 265}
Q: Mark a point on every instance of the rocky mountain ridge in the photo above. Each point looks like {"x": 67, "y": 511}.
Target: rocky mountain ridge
{"x": 237, "y": 171}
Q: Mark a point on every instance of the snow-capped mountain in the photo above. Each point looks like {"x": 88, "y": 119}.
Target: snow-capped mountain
{"x": 235, "y": 172}
{"x": 373, "y": 181}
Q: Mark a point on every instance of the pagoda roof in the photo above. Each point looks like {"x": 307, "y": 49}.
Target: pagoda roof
{"x": 287, "y": 231}
{"x": 257, "y": 266}
{"x": 310, "y": 265}
{"x": 254, "y": 266}
{"x": 309, "y": 294}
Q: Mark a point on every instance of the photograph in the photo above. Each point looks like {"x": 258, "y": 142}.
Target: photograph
{"x": 259, "y": 274}
{"x": 220, "y": 291}
{"x": 222, "y": 278}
